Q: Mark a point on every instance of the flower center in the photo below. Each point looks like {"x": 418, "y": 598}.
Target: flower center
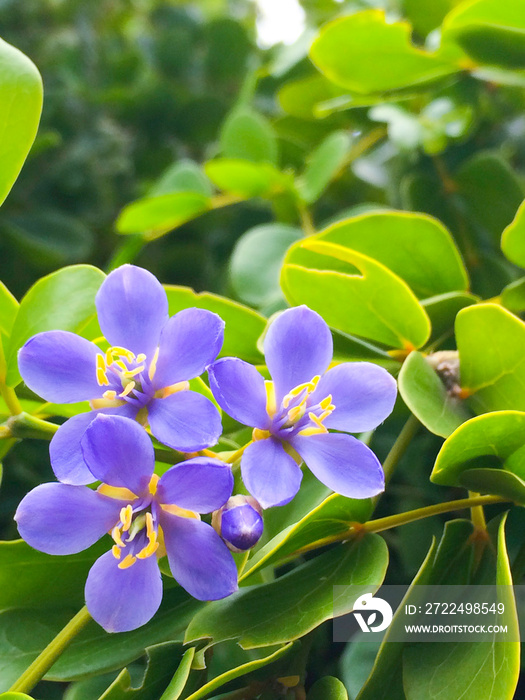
{"x": 125, "y": 375}
{"x": 136, "y": 532}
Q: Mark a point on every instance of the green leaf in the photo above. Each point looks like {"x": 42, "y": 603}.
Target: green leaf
{"x": 513, "y": 296}
{"x": 443, "y": 309}
{"x": 475, "y": 444}
{"x": 15, "y": 696}
{"x": 155, "y": 216}
{"x": 159, "y": 669}
{"x": 327, "y": 688}
{"x": 383, "y": 308}
{"x": 490, "y": 341}
{"x": 179, "y": 680}
{"x": 513, "y": 238}
{"x": 489, "y": 32}
{"x": 63, "y": 300}
{"x": 416, "y": 247}
{"x": 243, "y": 325}
{"x": 323, "y": 165}
{"x": 364, "y": 53}
{"x": 492, "y": 190}
{"x": 247, "y": 135}
{"x": 301, "y": 97}
{"x": 294, "y": 604}
{"x": 244, "y": 178}
{"x": 183, "y": 176}
{"x": 332, "y": 517}
{"x": 8, "y": 310}
{"x": 426, "y": 15}
{"x": 256, "y": 262}
{"x": 21, "y": 100}
{"x": 495, "y": 482}
{"x": 426, "y": 396}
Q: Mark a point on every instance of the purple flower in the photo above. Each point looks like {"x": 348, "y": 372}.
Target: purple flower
{"x": 147, "y": 517}
{"x": 239, "y": 522}
{"x": 142, "y": 375}
{"x": 292, "y": 413}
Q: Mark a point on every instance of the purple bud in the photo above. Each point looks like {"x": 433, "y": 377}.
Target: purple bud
{"x": 239, "y": 522}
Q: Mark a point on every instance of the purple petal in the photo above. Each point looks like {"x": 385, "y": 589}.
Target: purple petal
{"x": 123, "y": 599}
{"x": 199, "y": 560}
{"x": 185, "y": 421}
{"x": 342, "y": 463}
{"x": 298, "y": 346}
{"x": 189, "y": 342}
{"x": 269, "y": 473}
{"x": 118, "y": 451}
{"x": 201, "y": 485}
{"x": 60, "y": 366}
{"x": 132, "y": 309}
{"x": 64, "y": 519}
{"x": 240, "y": 391}
{"x": 363, "y": 395}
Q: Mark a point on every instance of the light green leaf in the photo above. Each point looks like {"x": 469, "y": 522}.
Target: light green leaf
{"x": 370, "y": 301}
{"x": 327, "y": 688}
{"x": 490, "y": 342}
{"x": 323, "y": 165}
{"x": 21, "y": 100}
{"x": 246, "y": 134}
{"x": 8, "y": 310}
{"x": 244, "y": 178}
{"x": 295, "y": 603}
{"x": 15, "y": 696}
{"x": 513, "y": 238}
{"x": 179, "y": 680}
{"x": 155, "y": 216}
{"x": 63, "y": 300}
{"x": 442, "y": 310}
{"x": 256, "y": 262}
{"x": 243, "y": 325}
{"x": 364, "y": 53}
{"x": 183, "y": 176}
{"x": 426, "y": 396}
{"x": 426, "y": 15}
{"x": 301, "y": 97}
{"x": 332, "y": 517}
{"x": 513, "y": 296}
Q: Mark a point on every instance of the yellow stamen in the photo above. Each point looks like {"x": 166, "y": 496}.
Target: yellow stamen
{"x": 129, "y": 388}
{"x": 297, "y": 412}
{"x": 308, "y": 386}
{"x": 318, "y": 421}
{"x": 117, "y": 538}
{"x": 133, "y": 372}
{"x": 259, "y": 434}
{"x": 118, "y": 492}
{"x": 140, "y": 357}
{"x": 152, "y": 545}
{"x": 120, "y": 365}
{"x": 101, "y": 371}
{"x": 110, "y": 395}
{"x": 173, "y": 389}
{"x": 325, "y": 403}
{"x": 152, "y": 489}
{"x": 126, "y": 515}
{"x": 105, "y": 403}
{"x": 181, "y": 512}
{"x": 153, "y": 365}
{"x": 128, "y": 561}
{"x": 271, "y": 406}
{"x": 116, "y": 350}
{"x": 115, "y": 551}
{"x": 312, "y": 431}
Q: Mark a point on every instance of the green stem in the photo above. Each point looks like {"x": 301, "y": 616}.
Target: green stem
{"x": 400, "y": 446}
{"x": 477, "y": 515}
{"x": 25, "y": 425}
{"x": 11, "y": 399}
{"x": 37, "y": 670}
{"x": 237, "y": 455}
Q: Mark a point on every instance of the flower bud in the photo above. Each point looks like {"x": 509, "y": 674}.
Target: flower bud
{"x": 239, "y": 522}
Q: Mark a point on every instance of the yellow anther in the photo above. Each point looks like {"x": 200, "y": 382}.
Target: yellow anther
{"x": 134, "y": 372}
{"x": 150, "y": 528}
{"x": 115, "y": 551}
{"x": 128, "y": 561}
{"x": 312, "y": 431}
{"x": 181, "y": 512}
{"x": 259, "y": 434}
{"x": 173, "y": 389}
{"x": 325, "y": 403}
{"x": 318, "y": 420}
{"x": 110, "y": 395}
{"x": 129, "y": 388}
{"x": 126, "y": 516}
{"x": 153, "y": 488}
{"x": 117, "y": 351}
{"x": 118, "y": 492}
{"x": 271, "y": 405}
{"x": 148, "y": 550}
{"x": 153, "y": 365}
{"x": 296, "y": 412}
{"x": 117, "y": 537}
{"x": 315, "y": 382}
{"x": 140, "y": 357}
{"x": 101, "y": 371}
{"x": 121, "y": 365}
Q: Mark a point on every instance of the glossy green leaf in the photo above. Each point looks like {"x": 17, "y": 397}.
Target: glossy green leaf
{"x": 490, "y": 341}
{"x": 426, "y": 15}
{"x": 21, "y": 100}
{"x": 489, "y": 32}
{"x": 361, "y": 296}
{"x": 301, "y": 97}
{"x": 15, "y": 696}
{"x": 256, "y": 262}
{"x": 182, "y": 176}
{"x": 327, "y": 688}
{"x": 161, "y": 660}
{"x": 426, "y": 396}
{"x": 476, "y": 443}
{"x": 155, "y": 216}
{"x": 364, "y": 53}
{"x": 295, "y": 603}
{"x": 63, "y": 300}
{"x": 513, "y": 296}
{"x": 246, "y": 134}
{"x": 513, "y": 238}
{"x": 8, "y": 310}
{"x": 245, "y": 178}
{"x": 416, "y": 247}
{"x": 323, "y": 165}
{"x": 179, "y": 680}
{"x": 496, "y": 482}
{"x": 332, "y": 517}
{"x": 243, "y": 325}
{"x": 492, "y": 190}
{"x": 442, "y": 310}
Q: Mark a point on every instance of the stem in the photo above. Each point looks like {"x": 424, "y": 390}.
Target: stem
{"x": 243, "y": 563}
{"x": 236, "y": 455}
{"x": 306, "y": 220}
{"x": 11, "y": 399}
{"x": 37, "y": 670}
{"x": 477, "y": 514}
{"x": 399, "y": 447}
{"x": 25, "y": 425}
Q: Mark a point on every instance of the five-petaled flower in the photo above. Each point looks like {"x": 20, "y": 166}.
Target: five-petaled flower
{"x": 143, "y": 374}
{"x": 297, "y": 408}
{"x": 147, "y": 517}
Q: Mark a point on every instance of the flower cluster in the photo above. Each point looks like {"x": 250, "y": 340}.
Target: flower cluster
{"x": 139, "y": 383}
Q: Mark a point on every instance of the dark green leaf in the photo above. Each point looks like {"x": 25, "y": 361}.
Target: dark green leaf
{"x": 327, "y": 688}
